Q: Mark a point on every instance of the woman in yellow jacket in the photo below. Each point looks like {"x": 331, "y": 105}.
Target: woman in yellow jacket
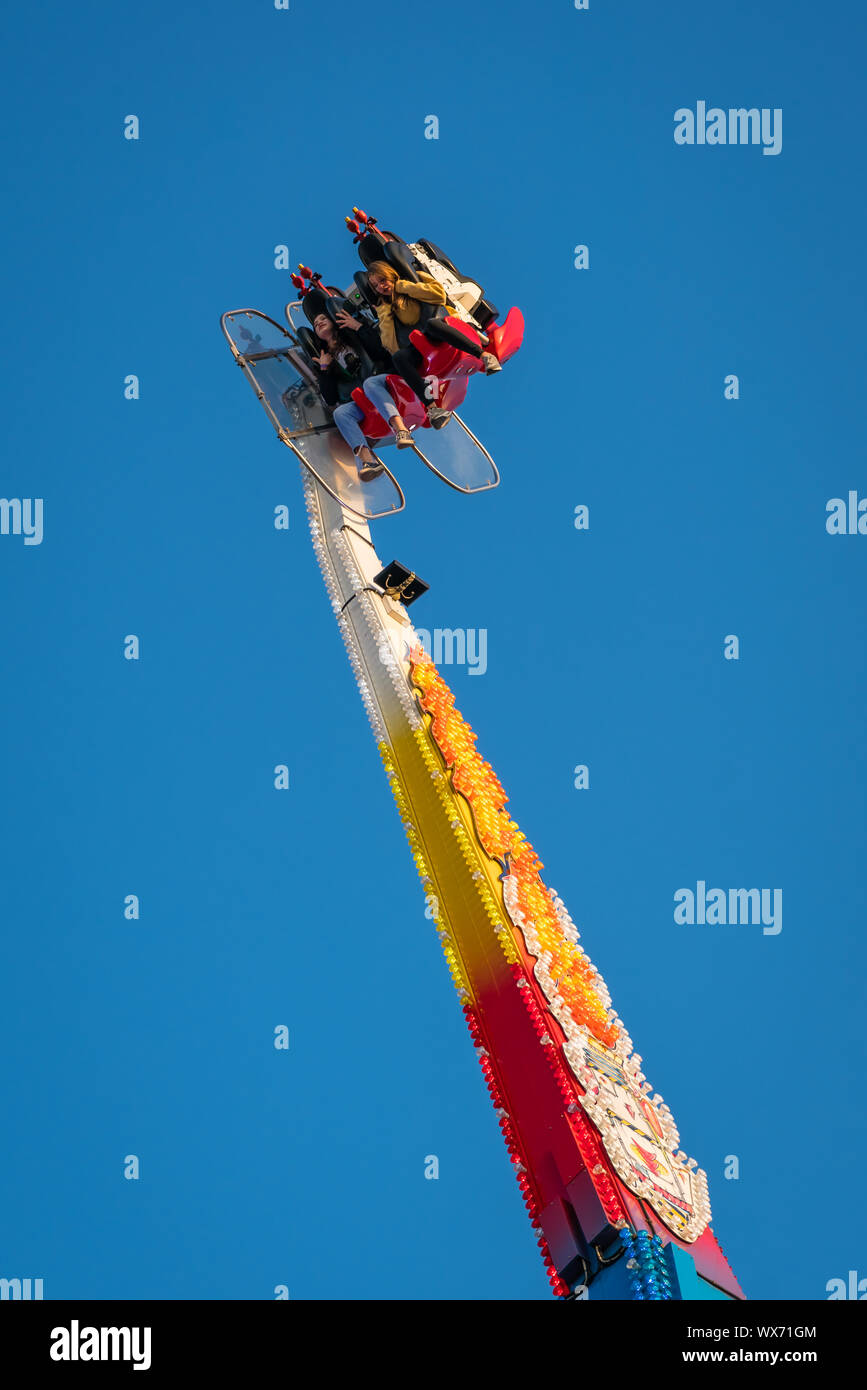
{"x": 404, "y": 306}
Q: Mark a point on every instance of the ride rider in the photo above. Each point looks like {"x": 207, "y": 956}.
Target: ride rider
{"x": 405, "y": 305}
{"x": 351, "y": 356}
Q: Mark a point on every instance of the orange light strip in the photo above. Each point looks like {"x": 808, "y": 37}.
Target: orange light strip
{"x": 568, "y": 966}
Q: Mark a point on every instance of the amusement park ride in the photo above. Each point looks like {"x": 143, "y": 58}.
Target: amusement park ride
{"x": 620, "y": 1212}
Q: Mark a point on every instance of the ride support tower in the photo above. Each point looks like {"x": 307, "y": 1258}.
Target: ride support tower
{"x": 619, "y": 1211}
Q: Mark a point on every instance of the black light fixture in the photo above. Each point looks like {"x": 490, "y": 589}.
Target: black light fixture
{"x": 400, "y": 583}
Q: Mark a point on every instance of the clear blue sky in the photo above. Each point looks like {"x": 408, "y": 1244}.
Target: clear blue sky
{"x": 261, "y": 127}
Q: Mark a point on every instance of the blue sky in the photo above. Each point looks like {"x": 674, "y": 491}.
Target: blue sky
{"x": 302, "y": 908}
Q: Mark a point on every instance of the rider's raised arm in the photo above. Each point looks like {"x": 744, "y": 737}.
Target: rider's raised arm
{"x": 425, "y": 289}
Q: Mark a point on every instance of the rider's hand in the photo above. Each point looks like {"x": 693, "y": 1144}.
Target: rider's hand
{"x": 325, "y": 360}
{"x": 346, "y": 320}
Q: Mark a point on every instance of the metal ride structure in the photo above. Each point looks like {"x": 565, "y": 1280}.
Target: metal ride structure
{"x": 619, "y": 1211}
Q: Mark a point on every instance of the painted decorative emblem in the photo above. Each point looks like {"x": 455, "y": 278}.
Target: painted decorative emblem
{"x": 638, "y": 1138}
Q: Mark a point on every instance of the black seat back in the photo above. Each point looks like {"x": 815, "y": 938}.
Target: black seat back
{"x": 370, "y": 249}
{"x": 395, "y": 253}
{"x": 399, "y": 256}
{"x": 314, "y": 303}
{"x": 361, "y": 284}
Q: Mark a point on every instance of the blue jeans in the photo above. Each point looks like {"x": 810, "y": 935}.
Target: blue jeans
{"x": 348, "y": 417}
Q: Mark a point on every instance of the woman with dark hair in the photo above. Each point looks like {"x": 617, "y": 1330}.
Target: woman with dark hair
{"x": 404, "y": 306}
{"x": 351, "y": 355}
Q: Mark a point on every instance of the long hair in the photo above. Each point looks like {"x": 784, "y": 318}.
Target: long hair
{"x": 331, "y": 325}
{"x": 405, "y": 307}
{"x": 339, "y": 340}
{"x": 384, "y": 271}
